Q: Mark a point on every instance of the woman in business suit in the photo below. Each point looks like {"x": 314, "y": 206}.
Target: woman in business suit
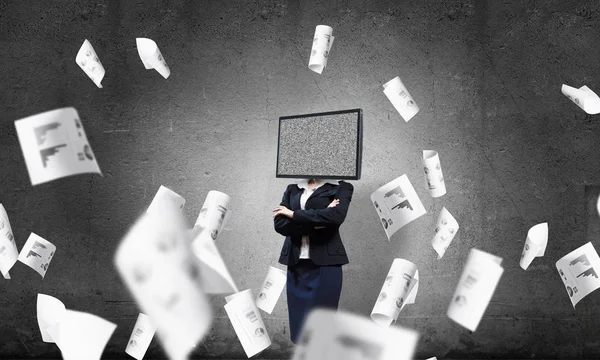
{"x": 309, "y": 217}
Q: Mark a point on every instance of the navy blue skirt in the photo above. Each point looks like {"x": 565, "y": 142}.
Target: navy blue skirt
{"x": 310, "y": 286}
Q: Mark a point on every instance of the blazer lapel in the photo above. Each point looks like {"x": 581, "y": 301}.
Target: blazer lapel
{"x": 322, "y": 188}
{"x": 295, "y": 200}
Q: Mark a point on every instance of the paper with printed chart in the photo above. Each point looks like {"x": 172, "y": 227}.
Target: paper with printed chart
{"x": 164, "y": 194}
{"x": 322, "y": 42}
{"x": 247, "y": 322}
{"x": 8, "y": 246}
{"x": 340, "y": 335}
{"x": 89, "y": 62}
{"x": 397, "y": 204}
{"x": 584, "y": 97}
{"x": 445, "y": 230}
{"x": 399, "y": 288}
{"x": 271, "y": 289}
{"x": 475, "y": 288}
{"x": 37, "y": 253}
{"x": 214, "y": 277}
{"x": 399, "y": 96}
{"x": 54, "y": 145}
{"x": 579, "y": 272}
{"x": 151, "y": 56}
{"x": 78, "y": 335}
{"x": 433, "y": 173}
{"x": 535, "y": 245}
{"x": 156, "y": 263}
{"x": 141, "y": 337}
{"x": 214, "y": 213}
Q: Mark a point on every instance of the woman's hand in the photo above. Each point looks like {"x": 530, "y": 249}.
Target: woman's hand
{"x": 282, "y": 210}
{"x": 334, "y": 203}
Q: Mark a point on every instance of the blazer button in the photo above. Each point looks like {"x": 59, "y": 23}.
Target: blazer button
{"x": 338, "y": 250}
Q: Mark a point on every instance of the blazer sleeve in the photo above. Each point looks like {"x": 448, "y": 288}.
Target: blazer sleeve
{"x": 329, "y": 216}
{"x": 286, "y": 226}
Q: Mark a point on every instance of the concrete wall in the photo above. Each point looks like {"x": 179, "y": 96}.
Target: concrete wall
{"x": 486, "y": 74}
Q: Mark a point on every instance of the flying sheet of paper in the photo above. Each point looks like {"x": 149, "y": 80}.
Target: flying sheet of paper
{"x": 432, "y": 358}
{"x": 578, "y": 272}
{"x": 50, "y": 312}
{"x": 475, "y": 288}
{"x": 535, "y": 245}
{"x": 37, "y": 253}
{"x": 271, "y": 289}
{"x": 151, "y": 56}
{"x": 247, "y": 322}
{"x": 78, "y": 335}
{"x": 8, "y": 246}
{"x": 214, "y": 276}
{"x": 399, "y": 96}
{"x": 163, "y": 195}
{"x": 397, "y": 204}
{"x": 54, "y": 145}
{"x": 156, "y": 263}
{"x": 398, "y": 288}
{"x": 89, "y": 62}
{"x": 584, "y": 97}
{"x": 141, "y": 337}
{"x": 322, "y": 42}
{"x": 214, "y": 213}
{"x": 339, "y": 335}
{"x": 446, "y": 229}
{"x": 433, "y": 173}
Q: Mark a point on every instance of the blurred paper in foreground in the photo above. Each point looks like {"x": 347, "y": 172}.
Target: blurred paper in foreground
{"x": 247, "y": 322}
{"x": 89, "y": 62}
{"x": 446, "y": 229}
{"x": 399, "y": 96}
{"x": 322, "y": 42}
{"x": 340, "y": 335}
{"x": 579, "y": 272}
{"x": 399, "y": 288}
{"x": 271, "y": 289}
{"x": 535, "y": 245}
{"x": 37, "y": 253}
{"x": 141, "y": 337}
{"x": 54, "y": 145}
{"x": 584, "y": 97}
{"x": 78, "y": 335}
{"x": 475, "y": 288}
{"x": 151, "y": 56}
{"x": 8, "y": 246}
{"x": 397, "y": 204}
{"x": 214, "y": 276}
{"x": 164, "y": 194}
{"x": 156, "y": 263}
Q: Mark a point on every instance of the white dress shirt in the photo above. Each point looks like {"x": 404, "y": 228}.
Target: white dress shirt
{"x": 304, "y": 249}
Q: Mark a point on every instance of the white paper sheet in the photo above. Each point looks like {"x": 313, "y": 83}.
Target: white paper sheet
{"x": 579, "y": 271}
{"x": 50, "y": 312}
{"x": 157, "y": 265}
{"x": 214, "y": 213}
{"x": 598, "y": 206}
{"x": 339, "y": 335}
{"x": 535, "y": 245}
{"x": 54, "y": 145}
{"x": 271, "y": 289}
{"x": 141, "y": 337}
{"x": 214, "y": 276}
{"x": 37, "y": 253}
{"x": 475, "y": 288}
{"x": 89, "y": 62}
{"x": 164, "y": 194}
{"x": 446, "y": 229}
{"x": 151, "y": 56}
{"x": 8, "y": 246}
{"x": 399, "y": 96}
{"x": 584, "y": 97}
{"x": 432, "y": 358}
{"x": 78, "y": 335}
{"x": 247, "y": 322}
{"x": 397, "y": 204}
{"x": 433, "y": 173}
{"x": 398, "y": 289}
{"x": 322, "y": 42}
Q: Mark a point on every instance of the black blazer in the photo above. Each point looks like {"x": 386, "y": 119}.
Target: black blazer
{"x": 326, "y": 246}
